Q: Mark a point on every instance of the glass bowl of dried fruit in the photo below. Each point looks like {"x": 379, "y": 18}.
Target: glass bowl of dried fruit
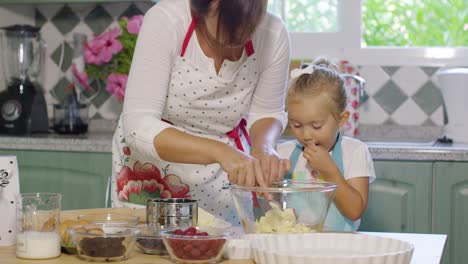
{"x": 196, "y": 244}
{"x": 104, "y": 242}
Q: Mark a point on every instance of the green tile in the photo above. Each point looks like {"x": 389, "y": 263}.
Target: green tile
{"x": 390, "y": 70}
{"x": 60, "y": 90}
{"x": 390, "y": 97}
{"x": 390, "y": 122}
{"x": 99, "y": 95}
{"x": 65, "y": 20}
{"x": 429, "y": 122}
{"x": 39, "y": 18}
{"x": 429, "y": 70}
{"x": 132, "y": 10}
{"x": 98, "y": 20}
{"x": 429, "y": 98}
{"x": 67, "y": 51}
{"x": 97, "y": 115}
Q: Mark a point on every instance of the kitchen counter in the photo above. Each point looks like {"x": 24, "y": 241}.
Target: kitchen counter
{"x": 7, "y": 256}
{"x": 102, "y": 142}
{"x": 427, "y": 250}
{"x": 89, "y": 142}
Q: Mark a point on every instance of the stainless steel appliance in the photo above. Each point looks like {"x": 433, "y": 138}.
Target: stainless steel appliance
{"x": 22, "y": 104}
{"x": 9, "y": 189}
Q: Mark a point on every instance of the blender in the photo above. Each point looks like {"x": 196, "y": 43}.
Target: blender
{"x": 22, "y": 105}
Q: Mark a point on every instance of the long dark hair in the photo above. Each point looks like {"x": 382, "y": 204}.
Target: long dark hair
{"x": 237, "y": 19}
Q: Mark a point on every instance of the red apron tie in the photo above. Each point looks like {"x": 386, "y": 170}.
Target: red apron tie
{"x": 235, "y": 134}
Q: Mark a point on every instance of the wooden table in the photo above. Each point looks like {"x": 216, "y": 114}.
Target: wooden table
{"x": 8, "y": 256}
{"x": 428, "y": 249}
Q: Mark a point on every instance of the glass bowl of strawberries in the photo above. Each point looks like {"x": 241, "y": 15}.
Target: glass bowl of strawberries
{"x": 195, "y": 244}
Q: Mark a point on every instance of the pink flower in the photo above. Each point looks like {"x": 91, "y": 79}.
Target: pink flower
{"x": 81, "y": 77}
{"x": 355, "y": 104}
{"x": 134, "y": 24}
{"x": 116, "y": 85}
{"x": 101, "y": 49}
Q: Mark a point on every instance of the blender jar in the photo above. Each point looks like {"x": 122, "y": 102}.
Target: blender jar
{"x": 70, "y": 118}
{"x": 38, "y": 225}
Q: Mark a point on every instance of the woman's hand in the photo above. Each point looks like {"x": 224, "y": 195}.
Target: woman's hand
{"x": 241, "y": 168}
{"x": 273, "y": 168}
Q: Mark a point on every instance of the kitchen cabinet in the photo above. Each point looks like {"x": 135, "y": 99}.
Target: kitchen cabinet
{"x": 400, "y": 198}
{"x": 451, "y": 209}
{"x": 81, "y": 177}
{"x": 421, "y": 197}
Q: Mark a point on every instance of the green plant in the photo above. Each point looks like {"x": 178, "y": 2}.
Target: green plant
{"x": 415, "y": 23}
{"x": 108, "y": 57}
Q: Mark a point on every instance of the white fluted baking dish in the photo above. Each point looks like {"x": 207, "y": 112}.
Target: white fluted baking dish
{"x": 329, "y": 248}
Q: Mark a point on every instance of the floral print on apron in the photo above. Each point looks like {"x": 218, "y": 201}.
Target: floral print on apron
{"x": 203, "y": 104}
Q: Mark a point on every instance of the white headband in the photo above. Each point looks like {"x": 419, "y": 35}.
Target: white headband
{"x": 298, "y": 72}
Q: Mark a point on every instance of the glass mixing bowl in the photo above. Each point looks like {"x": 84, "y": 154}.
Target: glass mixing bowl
{"x": 287, "y": 207}
{"x": 204, "y": 245}
{"x": 104, "y": 242}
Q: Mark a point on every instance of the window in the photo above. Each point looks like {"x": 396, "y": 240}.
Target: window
{"x": 306, "y": 15}
{"x": 401, "y": 32}
{"x": 408, "y": 23}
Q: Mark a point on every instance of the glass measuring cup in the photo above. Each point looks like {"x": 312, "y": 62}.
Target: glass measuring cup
{"x": 38, "y": 225}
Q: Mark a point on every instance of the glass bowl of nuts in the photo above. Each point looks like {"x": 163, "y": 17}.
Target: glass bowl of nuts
{"x": 104, "y": 242}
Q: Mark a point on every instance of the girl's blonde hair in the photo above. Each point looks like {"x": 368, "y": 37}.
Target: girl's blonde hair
{"x": 324, "y": 79}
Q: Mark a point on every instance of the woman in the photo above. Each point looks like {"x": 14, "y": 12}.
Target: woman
{"x": 204, "y": 73}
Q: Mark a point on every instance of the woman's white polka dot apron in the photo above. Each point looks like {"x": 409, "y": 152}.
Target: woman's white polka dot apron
{"x": 201, "y": 103}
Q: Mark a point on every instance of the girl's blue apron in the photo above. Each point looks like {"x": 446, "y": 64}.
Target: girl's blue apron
{"x": 335, "y": 220}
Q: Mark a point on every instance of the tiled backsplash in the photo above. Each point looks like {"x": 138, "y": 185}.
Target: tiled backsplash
{"x": 397, "y": 95}
{"x": 58, "y": 24}
{"x": 401, "y": 96}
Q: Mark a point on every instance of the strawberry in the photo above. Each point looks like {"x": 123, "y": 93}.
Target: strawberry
{"x": 134, "y": 187}
{"x": 175, "y": 186}
{"x": 178, "y": 232}
{"x": 355, "y": 116}
{"x": 146, "y": 171}
{"x": 152, "y": 185}
{"x": 166, "y": 194}
{"x": 125, "y": 174}
{"x": 190, "y": 231}
{"x": 126, "y": 150}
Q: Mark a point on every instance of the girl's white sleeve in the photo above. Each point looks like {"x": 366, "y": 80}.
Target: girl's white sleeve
{"x": 269, "y": 96}
{"x": 361, "y": 164}
{"x": 147, "y": 85}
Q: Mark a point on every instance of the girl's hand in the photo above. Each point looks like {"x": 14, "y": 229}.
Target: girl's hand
{"x": 241, "y": 168}
{"x": 272, "y": 166}
{"x": 319, "y": 158}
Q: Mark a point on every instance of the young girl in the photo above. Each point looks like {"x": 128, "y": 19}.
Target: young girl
{"x": 316, "y": 103}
